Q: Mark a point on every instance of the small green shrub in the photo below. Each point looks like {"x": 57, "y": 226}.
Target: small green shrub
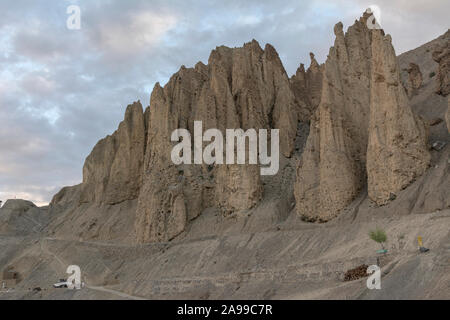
{"x": 432, "y": 74}
{"x": 379, "y": 236}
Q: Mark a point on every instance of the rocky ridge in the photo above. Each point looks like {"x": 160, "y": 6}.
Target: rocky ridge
{"x": 363, "y": 112}
{"x": 307, "y": 87}
{"x": 355, "y": 105}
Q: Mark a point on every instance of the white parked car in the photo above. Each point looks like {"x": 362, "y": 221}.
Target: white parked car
{"x": 61, "y": 284}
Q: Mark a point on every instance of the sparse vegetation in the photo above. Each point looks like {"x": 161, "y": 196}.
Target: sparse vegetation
{"x": 432, "y": 74}
{"x": 379, "y": 236}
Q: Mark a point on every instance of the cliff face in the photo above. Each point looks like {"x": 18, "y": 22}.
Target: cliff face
{"x": 112, "y": 172}
{"x": 239, "y": 88}
{"x": 362, "y": 134}
{"x": 363, "y": 111}
{"x": 332, "y": 172}
{"x": 397, "y": 152}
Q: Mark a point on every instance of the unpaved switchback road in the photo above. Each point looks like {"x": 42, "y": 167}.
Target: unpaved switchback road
{"x": 45, "y": 250}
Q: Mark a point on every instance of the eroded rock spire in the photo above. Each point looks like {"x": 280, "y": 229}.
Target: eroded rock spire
{"x": 363, "y": 113}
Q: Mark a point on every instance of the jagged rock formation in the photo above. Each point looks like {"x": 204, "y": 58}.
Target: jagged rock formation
{"x": 361, "y": 89}
{"x": 362, "y": 134}
{"x": 442, "y": 56}
{"x": 239, "y": 88}
{"x": 112, "y": 172}
{"x": 414, "y": 78}
{"x": 307, "y": 88}
{"x": 331, "y": 172}
{"x": 397, "y": 150}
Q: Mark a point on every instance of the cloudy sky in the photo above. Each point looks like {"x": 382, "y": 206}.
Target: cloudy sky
{"x": 62, "y": 90}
